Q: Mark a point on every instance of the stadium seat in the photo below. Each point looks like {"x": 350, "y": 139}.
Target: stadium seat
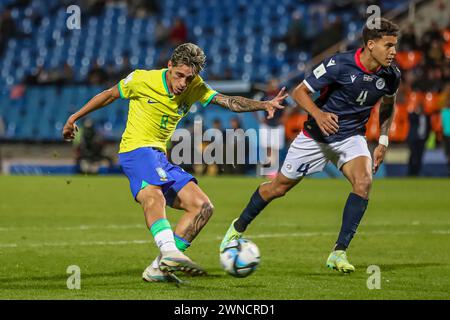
{"x": 408, "y": 59}
{"x": 400, "y": 124}
{"x": 446, "y": 35}
{"x": 294, "y": 125}
{"x": 431, "y": 102}
{"x": 447, "y": 50}
{"x": 414, "y": 98}
{"x": 436, "y": 125}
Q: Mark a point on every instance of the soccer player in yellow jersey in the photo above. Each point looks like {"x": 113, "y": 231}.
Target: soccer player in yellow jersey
{"x": 158, "y": 99}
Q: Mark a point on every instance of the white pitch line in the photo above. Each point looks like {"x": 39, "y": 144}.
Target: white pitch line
{"x": 256, "y": 236}
{"x": 9, "y": 245}
{"x": 68, "y": 244}
{"x": 380, "y": 224}
{"x": 318, "y": 234}
{"x": 441, "y": 231}
{"x": 84, "y": 227}
{"x": 80, "y": 227}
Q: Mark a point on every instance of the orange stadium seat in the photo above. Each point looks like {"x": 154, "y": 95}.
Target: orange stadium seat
{"x": 408, "y": 59}
{"x": 372, "y": 127}
{"x": 446, "y": 35}
{"x": 447, "y": 50}
{"x": 294, "y": 124}
{"x": 431, "y": 102}
{"x": 436, "y": 125}
{"x": 413, "y": 99}
{"x": 400, "y": 124}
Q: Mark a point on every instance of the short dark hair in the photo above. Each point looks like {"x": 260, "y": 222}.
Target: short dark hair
{"x": 190, "y": 55}
{"x": 384, "y": 28}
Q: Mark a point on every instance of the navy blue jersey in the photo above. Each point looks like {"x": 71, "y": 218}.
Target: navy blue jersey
{"x": 350, "y": 91}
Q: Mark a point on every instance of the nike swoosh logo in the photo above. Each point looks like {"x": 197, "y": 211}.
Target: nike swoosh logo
{"x": 150, "y": 101}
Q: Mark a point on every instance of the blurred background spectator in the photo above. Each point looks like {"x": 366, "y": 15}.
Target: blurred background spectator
{"x": 295, "y": 36}
{"x": 178, "y": 33}
{"x": 97, "y": 76}
{"x": 271, "y": 134}
{"x": 143, "y": 8}
{"x": 408, "y": 39}
{"x": 7, "y": 29}
{"x": 90, "y": 149}
{"x": 445, "y": 113}
{"x": 236, "y": 142}
{"x": 419, "y": 130}
{"x": 124, "y": 70}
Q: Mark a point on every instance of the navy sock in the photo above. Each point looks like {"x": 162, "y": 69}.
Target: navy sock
{"x": 353, "y": 213}
{"x": 253, "y": 208}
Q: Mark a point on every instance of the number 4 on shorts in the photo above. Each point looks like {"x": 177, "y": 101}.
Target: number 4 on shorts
{"x": 303, "y": 169}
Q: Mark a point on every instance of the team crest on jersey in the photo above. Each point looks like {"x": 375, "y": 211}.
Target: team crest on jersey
{"x": 380, "y": 83}
{"x": 162, "y": 174}
{"x": 182, "y": 109}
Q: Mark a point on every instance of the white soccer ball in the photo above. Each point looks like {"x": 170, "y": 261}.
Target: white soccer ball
{"x": 240, "y": 258}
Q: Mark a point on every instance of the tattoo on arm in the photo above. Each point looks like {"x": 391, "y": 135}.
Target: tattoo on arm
{"x": 199, "y": 222}
{"x": 386, "y": 114}
{"x": 238, "y": 104}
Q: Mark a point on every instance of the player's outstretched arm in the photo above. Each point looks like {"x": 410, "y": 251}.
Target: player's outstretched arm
{"x": 100, "y": 100}
{"x": 241, "y": 104}
{"x": 327, "y": 122}
{"x": 386, "y": 115}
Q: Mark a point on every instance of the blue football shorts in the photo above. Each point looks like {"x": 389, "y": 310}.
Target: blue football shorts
{"x": 149, "y": 166}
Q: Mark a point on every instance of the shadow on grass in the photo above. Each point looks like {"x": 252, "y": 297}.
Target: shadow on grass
{"x": 64, "y": 276}
{"x": 56, "y": 280}
{"x": 362, "y": 269}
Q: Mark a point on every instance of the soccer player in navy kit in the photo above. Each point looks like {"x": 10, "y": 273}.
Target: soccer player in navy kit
{"x": 350, "y": 84}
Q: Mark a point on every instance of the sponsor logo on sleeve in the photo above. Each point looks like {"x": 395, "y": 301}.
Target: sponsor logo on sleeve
{"x": 319, "y": 71}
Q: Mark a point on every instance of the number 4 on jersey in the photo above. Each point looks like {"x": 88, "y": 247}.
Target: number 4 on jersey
{"x": 362, "y": 97}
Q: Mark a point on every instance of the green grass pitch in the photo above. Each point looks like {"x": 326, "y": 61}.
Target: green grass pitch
{"x": 50, "y": 223}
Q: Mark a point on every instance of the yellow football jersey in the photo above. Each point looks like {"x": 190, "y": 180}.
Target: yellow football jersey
{"x": 153, "y": 111}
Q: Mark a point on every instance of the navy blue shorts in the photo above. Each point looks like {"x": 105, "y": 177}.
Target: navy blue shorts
{"x": 149, "y": 166}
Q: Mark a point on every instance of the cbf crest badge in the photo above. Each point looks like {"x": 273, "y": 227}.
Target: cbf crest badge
{"x": 162, "y": 174}
{"x": 380, "y": 83}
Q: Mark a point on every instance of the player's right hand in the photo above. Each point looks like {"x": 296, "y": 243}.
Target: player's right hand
{"x": 69, "y": 130}
{"x": 327, "y": 122}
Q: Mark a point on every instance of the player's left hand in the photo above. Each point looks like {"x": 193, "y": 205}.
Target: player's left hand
{"x": 69, "y": 130}
{"x": 275, "y": 103}
{"x": 378, "y": 157}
